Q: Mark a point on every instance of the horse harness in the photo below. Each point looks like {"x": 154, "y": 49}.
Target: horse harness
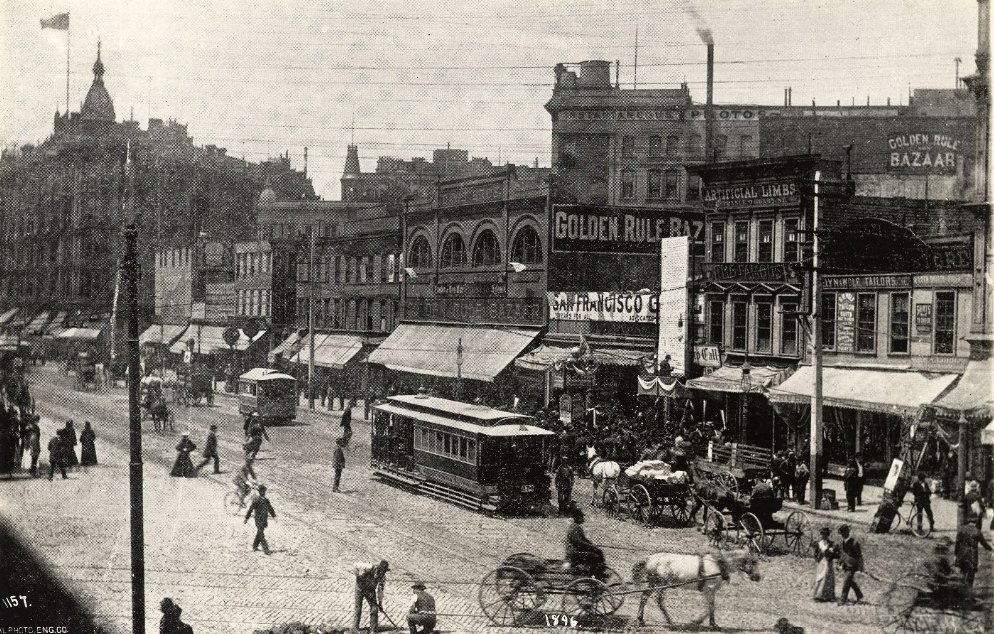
{"x": 722, "y": 569}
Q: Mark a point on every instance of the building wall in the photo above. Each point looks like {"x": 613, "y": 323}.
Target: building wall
{"x": 174, "y": 284}
{"x": 253, "y": 286}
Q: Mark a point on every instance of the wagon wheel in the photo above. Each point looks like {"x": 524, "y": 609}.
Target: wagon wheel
{"x": 715, "y": 528}
{"x": 610, "y": 500}
{"x": 751, "y": 530}
{"x": 898, "y": 605}
{"x": 588, "y": 597}
{"x": 727, "y": 481}
{"x": 508, "y": 594}
{"x": 796, "y": 533}
{"x": 678, "y": 507}
{"x": 641, "y": 503}
{"x": 615, "y": 586}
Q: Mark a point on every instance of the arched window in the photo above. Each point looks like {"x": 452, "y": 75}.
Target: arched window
{"x": 672, "y": 145}
{"x": 486, "y": 250}
{"x": 420, "y": 253}
{"x": 527, "y": 247}
{"x": 453, "y": 251}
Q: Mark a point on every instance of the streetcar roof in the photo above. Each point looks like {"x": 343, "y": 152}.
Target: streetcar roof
{"x": 265, "y": 374}
{"x": 458, "y": 408}
{"x": 503, "y": 430}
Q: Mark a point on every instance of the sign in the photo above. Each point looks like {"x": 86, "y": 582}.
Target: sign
{"x": 605, "y": 306}
{"x": 866, "y": 281}
{"x": 951, "y": 256}
{"x": 921, "y": 151}
{"x": 231, "y": 335}
{"x": 783, "y": 193}
{"x": 707, "y": 356}
{"x": 591, "y": 229}
{"x": 923, "y": 319}
{"x": 845, "y": 322}
{"x": 674, "y": 263}
{"x": 673, "y": 114}
{"x": 894, "y": 475}
{"x": 781, "y": 272}
{"x": 570, "y": 408}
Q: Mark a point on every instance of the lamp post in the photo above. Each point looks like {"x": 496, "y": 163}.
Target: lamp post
{"x": 961, "y": 466}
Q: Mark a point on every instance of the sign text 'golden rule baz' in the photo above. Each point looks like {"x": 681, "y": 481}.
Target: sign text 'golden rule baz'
{"x": 593, "y": 229}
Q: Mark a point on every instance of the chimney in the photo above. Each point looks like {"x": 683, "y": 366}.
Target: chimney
{"x": 790, "y": 96}
{"x": 709, "y": 109}
{"x": 785, "y": 97}
{"x": 305, "y": 161}
{"x": 888, "y": 101}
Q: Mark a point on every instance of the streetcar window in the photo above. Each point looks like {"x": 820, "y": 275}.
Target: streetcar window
{"x": 472, "y": 451}
{"x": 448, "y": 445}
{"x": 463, "y": 450}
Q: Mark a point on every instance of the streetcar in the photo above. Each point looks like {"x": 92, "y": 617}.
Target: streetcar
{"x": 269, "y": 392}
{"x": 468, "y": 454}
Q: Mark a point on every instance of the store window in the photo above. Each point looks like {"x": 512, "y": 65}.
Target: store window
{"x": 742, "y": 241}
{"x": 764, "y": 327}
{"x": 828, "y": 321}
{"x": 945, "y": 322}
{"x": 627, "y": 184}
{"x": 716, "y": 322}
{"x": 788, "y": 328}
{"x": 717, "y": 242}
{"x": 765, "y": 252}
{"x": 654, "y": 185}
{"x": 866, "y": 322}
{"x": 739, "y": 324}
{"x": 900, "y": 323}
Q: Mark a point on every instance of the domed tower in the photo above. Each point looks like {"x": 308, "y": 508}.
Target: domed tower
{"x": 98, "y": 105}
{"x": 350, "y": 176}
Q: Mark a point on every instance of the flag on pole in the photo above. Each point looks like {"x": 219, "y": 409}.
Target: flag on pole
{"x": 58, "y": 22}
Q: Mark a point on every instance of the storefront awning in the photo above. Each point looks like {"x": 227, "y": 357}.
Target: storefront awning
{"x": 37, "y": 325}
{"x": 729, "y": 379}
{"x": 547, "y": 355}
{"x": 55, "y": 326}
{"x": 208, "y": 339}
{"x": 868, "y": 389}
{"x": 165, "y": 334}
{"x": 430, "y": 349}
{"x": 973, "y": 394}
{"x": 288, "y": 347}
{"x": 7, "y": 316}
{"x": 80, "y": 334}
{"x": 8, "y": 344}
{"x": 330, "y": 351}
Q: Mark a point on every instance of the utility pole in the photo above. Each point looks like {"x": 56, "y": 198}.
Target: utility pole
{"x": 310, "y": 323}
{"x": 816, "y": 344}
{"x": 130, "y": 267}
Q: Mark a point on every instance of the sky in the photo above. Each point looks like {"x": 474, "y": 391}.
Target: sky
{"x": 263, "y": 78}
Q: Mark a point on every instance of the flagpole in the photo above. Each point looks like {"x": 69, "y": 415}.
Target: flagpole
{"x": 68, "y": 39}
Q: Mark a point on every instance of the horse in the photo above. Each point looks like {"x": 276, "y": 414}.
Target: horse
{"x": 160, "y": 415}
{"x": 710, "y": 571}
{"x": 600, "y": 470}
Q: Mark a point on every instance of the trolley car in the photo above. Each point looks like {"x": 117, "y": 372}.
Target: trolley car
{"x": 270, "y": 393}
{"x": 469, "y": 454}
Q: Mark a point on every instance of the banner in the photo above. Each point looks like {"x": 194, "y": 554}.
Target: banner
{"x": 604, "y": 306}
{"x": 674, "y": 268}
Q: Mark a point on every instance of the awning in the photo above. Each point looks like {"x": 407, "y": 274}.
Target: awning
{"x": 80, "y": 334}
{"x": 431, "y": 349}
{"x": 987, "y": 435}
{"x": 8, "y": 344}
{"x": 165, "y": 334}
{"x": 547, "y": 355}
{"x": 288, "y": 347}
{"x": 7, "y": 315}
{"x": 868, "y": 389}
{"x": 330, "y": 351}
{"x": 37, "y": 325}
{"x": 973, "y": 395}
{"x": 55, "y": 326}
{"x": 208, "y": 339}
{"x": 729, "y": 379}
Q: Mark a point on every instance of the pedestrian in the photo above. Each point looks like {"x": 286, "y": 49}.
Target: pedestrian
{"x": 367, "y": 403}
{"x": 922, "y": 494}
{"x": 826, "y": 553}
{"x": 34, "y": 444}
{"x": 801, "y": 476}
{"x": 69, "y": 444}
{"x": 338, "y": 463}
{"x": 257, "y": 431}
{"x": 170, "y": 623}
{"x": 421, "y": 617}
{"x": 850, "y": 480}
{"x": 210, "y": 451}
{"x": 56, "y": 458}
{"x": 949, "y": 468}
{"x": 183, "y": 467}
{"x": 370, "y": 582}
{"x": 973, "y": 502}
{"x": 262, "y": 508}
{"x": 851, "y": 561}
{"x": 860, "y": 479}
{"x": 564, "y": 486}
{"x": 968, "y": 539}
{"x": 347, "y": 421}
{"x": 88, "y": 441}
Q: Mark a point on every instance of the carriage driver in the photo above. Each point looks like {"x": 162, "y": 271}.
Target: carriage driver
{"x": 581, "y": 553}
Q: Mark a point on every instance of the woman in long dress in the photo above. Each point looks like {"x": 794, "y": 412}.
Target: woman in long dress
{"x": 184, "y": 466}
{"x": 87, "y": 438}
{"x": 826, "y": 552}
{"x": 69, "y": 442}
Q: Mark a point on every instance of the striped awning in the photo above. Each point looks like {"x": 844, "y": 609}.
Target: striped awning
{"x": 208, "y": 339}
{"x": 330, "y": 351}
{"x": 288, "y": 347}
{"x": 161, "y": 334}
{"x": 7, "y": 315}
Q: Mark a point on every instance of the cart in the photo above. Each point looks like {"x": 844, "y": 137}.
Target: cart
{"x": 758, "y": 529}
{"x": 196, "y": 387}
{"x": 518, "y": 591}
{"x": 648, "y": 499}
{"x": 908, "y": 605}
{"x": 86, "y": 372}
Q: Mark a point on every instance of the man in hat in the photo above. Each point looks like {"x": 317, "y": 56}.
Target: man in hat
{"x": 851, "y": 562}
{"x": 210, "y": 451}
{"x": 922, "y": 494}
{"x": 968, "y": 539}
{"x": 421, "y": 616}
{"x": 262, "y": 509}
{"x": 581, "y": 553}
{"x": 370, "y": 581}
{"x": 564, "y": 485}
{"x": 338, "y": 463}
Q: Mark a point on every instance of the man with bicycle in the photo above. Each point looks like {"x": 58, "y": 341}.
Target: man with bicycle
{"x": 245, "y": 480}
{"x": 923, "y": 503}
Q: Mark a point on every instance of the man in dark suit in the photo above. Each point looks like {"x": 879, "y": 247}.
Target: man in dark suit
{"x": 56, "y": 460}
{"x": 210, "y": 451}
{"x": 860, "y": 479}
{"x": 564, "y": 486}
{"x": 851, "y": 562}
{"x": 338, "y": 463}
{"x": 262, "y": 509}
{"x": 922, "y": 494}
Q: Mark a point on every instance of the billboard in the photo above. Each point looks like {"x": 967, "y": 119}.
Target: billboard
{"x": 673, "y": 270}
{"x": 598, "y": 229}
{"x": 604, "y": 306}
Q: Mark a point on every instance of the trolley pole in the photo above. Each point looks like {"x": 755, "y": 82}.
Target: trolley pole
{"x": 310, "y": 323}
{"x": 817, "y": 399}
{"x": 130, "y": 268}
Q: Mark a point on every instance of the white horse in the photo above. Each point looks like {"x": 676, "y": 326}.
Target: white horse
{"x": 706, "y": 572}
{"x": 600, "y": 470}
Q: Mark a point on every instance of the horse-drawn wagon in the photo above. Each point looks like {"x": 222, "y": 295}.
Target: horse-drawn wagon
{"x": 648, "y": 490}
{"x": 195, "y": 386}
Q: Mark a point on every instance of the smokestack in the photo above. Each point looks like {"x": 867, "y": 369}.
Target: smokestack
{"x": 790, "y": 96}
{"x": 785, "y": 96}
{"x": 709, "y": 107}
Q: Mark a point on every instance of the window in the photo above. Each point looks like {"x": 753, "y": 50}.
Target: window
{"x": 716, "y": 322}
{"x": 453, "y": 251}
{"x": 486, "y": 251}
{"x": 717, "y": 242}
{"x": 866, "y": 322}
{"x": 672, "y": 145}
{"x": 672, "y": 180}
{"x": 828, "y": 321}
{"x": 745, "y": 143}
{"x": 791, "y": 240}
{"x": 900, "y": 315}
{"x": 627, "y": 184}
{"x": 693, "y": 187}
{"x": 420, "y": 253}
{"x": 945, "y": 322}
{"x": 655, "y": 145}
{"x": 788, "y": 328}
{"x": 339, "y": 265}
{"x": 527, "y": 246}
{"x": 739, "y": 324}
{"x": 445, "y": 444}
{"x": 627, "y": 146}
{"x": 384, "y": 267}
{"x": 654, "y": 185}
{"x": 350, "y": 271}
{"x": 764, "y": 327}
{"x": 765, "y": 241}
{"x": 391, "y": 267}
{"x": 742, "y": 241}
{"x": 363, "y": 270}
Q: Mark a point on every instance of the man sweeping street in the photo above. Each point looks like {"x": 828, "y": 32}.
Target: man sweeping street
{"x": 370, "y": 581}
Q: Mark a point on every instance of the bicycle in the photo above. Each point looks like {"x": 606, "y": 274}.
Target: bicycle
{"x": 235, "y": 503}
{"x": 918, "y": 522}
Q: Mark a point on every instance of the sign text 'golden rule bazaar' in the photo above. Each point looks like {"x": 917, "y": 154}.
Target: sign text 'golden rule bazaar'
{"x": 591, "y": 229}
